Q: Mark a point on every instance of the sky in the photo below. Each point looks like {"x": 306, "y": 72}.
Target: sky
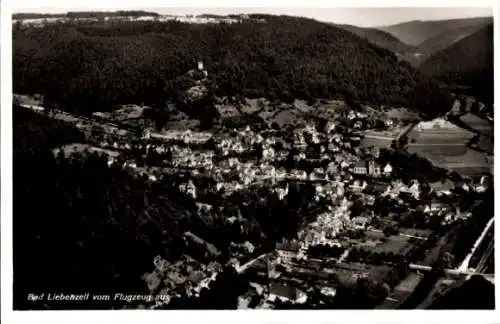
{"x": 364, "y": 16}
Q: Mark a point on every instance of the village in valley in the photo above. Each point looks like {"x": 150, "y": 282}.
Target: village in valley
{"x": 372, "y": 207}
{"x": 205, "y": 183}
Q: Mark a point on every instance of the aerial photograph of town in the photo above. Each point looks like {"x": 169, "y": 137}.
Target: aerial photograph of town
{"x": 253, "y": 159}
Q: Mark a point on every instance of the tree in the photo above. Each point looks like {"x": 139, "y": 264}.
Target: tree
{"x": 445, "y": 261}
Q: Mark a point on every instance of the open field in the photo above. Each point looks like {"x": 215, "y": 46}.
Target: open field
{"x": 441, "y": 136}
{"x": 457, "y": 138}
{"x": 376, "y": 142}
{"x": 396, "y": 244}
{"x": 436, "y": 152}
{"x": 461, "y": 159}
{"x": 380, "y": 139}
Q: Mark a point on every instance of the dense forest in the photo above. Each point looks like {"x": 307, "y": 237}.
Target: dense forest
{"x": 93, "y": 66}
{"x": 468, "y": 62}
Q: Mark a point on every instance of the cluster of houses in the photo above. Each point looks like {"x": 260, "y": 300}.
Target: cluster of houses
{"x": 185, "y": 277}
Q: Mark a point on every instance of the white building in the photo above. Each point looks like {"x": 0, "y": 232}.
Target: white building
{"x": 387, "y": 169}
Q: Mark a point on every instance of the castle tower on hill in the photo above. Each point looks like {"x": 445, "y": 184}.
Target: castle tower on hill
{"x": 201, "y": 69}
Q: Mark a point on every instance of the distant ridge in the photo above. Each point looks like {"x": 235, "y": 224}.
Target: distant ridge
{"x": 468, "y": 62}
{"x": 379, "y": 38}
{"x": 417, "y": 31}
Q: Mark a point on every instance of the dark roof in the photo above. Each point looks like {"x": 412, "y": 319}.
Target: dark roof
{"x": 195, "y": 277}
{"x": 360, "y": 164}
{"x": 376, "y": 187}
{"x": 283, "y": 290}
{"x": 288, "y": 246}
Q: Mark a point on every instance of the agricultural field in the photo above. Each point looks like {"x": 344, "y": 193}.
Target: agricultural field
{"x": 446, "y": 147}
{"x": 376, "y": 142}
{"x": 461, "y": 159}
{"x": 380, "y": 139}
{"x": 436, "y": 153}
{"x": 447, "y": 134}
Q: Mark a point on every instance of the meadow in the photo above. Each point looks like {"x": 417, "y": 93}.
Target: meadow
{"x": 448, "y": 147}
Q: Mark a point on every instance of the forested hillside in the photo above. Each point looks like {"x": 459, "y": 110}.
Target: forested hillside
{"x": 91, "y": 66}
{"x": 446, "y": 39}
{"x": 468, "y": 62}
{"x": 380, "y": 38}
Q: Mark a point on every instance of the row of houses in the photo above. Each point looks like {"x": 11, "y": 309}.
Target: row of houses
{"x": 372, "y": 168}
